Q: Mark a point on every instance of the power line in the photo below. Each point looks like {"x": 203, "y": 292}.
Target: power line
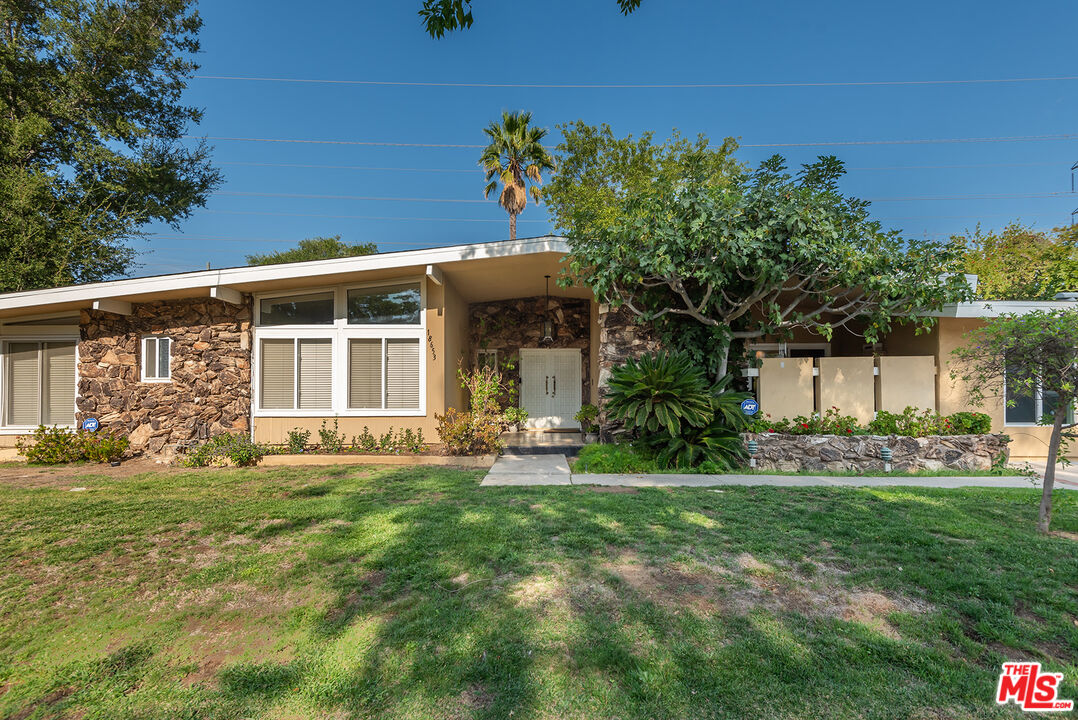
{"x": 475, "y": 170}
{"x": 641, "y": 86}
{"x": 827, "y": 143}
{"x": 370, "y": 198}
{"x": 364, "y": 217}
{"x": 478, "y": 170}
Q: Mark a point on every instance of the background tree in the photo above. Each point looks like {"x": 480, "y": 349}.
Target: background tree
{"x": 317, "y": 248}
{"x": 741, "y": 254}
{"x": 1020, "y": 263}
{"x": 441, "y": 16}
{"x": 1017, "y": 356}
{"x": 515, "y": 156}
{"x": 90, "y": 129}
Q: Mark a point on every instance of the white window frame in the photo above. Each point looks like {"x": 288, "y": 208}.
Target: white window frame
{"x": 1038, "y": 406}
{"x": 340, "y": 333}
{"x": 142, "y": 358}
{"x": 486, "y": 353}
{"x": 6, "y": 429}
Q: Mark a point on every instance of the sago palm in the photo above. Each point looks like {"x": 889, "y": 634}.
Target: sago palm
{"x": 514, "y": 156}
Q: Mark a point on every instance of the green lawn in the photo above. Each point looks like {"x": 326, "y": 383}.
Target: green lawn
{"x": 413, "y": 593}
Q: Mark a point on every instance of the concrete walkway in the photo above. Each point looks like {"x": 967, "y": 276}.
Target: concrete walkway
{"x": 526, "y": 470}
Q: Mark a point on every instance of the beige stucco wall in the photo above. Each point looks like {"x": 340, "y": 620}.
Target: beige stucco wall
{"x": 906, "y": 381}
{"x": 786, "y": 387}
{"x": 1027, "y": 442}
{"x": 847, "y": 383}
{"x": 456, "y": 346}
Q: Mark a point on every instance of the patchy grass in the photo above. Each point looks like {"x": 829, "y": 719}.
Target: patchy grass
{"x": 412, "y": 593}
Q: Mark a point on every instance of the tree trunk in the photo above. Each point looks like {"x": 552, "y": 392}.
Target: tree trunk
{"x": 724, "y": 359}
{"x": 512, "y": 226}
{"x": 1044, "y": 517}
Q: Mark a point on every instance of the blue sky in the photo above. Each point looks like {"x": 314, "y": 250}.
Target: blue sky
{"x": 665, "y": 42}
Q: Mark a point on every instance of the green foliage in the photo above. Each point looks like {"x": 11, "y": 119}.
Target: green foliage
{"x": 665, "y": 400}
{"x": 1020, "y": 263}
{"x": 681, "y": 233}
{"x": 657, "y": 391}
{"x": 319, "y": 248}
{"x": 55, "y": 445}
{"x": 442, "y": 16}
{"x": 515, "y": 415}
{"x": 331, "y": 440}
{"x": 238, "y": 449}
{"x": 91, "y": 134}
{"x": 515, "y": 157}
{"x": 615, "y": 458}
{"x": 297, "y": 440}
{"x": 911, "y": 422}
{"x": 586, "y": 416}
{"x": 465, "y": 433}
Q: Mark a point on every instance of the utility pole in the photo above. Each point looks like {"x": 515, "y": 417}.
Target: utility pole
{"x": 1074, "y": 212}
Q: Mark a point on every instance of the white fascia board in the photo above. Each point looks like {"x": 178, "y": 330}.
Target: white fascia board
{"x": 995, "y": 308}
{"x": 262, "y": 273}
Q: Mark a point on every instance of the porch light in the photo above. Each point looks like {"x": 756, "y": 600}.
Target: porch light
{"x": 550, "y": 330}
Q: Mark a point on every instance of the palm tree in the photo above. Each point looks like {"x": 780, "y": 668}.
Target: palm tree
{"x": 515, "y": 153}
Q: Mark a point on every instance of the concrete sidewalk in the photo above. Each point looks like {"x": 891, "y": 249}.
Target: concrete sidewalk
{"x": 524, "y": 470}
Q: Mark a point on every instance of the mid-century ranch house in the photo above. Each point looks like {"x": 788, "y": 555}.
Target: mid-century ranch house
{"x": 377, "y": 341}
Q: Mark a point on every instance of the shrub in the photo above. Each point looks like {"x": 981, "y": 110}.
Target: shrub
{"x": 331, "y": 441}
{"x": 586, "y": 416}
{"x": 297, "y": 440}
{"x": 970, "y": 423}
{"x": 465, "y": 433}
{"x": 615, "y": 458}
{"x": 239, "y": 449}
{"x": 54, "y": 445}
{"x": 661, "y": 390}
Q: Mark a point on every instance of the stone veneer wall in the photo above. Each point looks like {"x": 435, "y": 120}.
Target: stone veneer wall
{"x": 620, "y": 338}
{"x": 210, "y": 389}
{"x": 509, "y": 325}
{"x": 862, "y": 452}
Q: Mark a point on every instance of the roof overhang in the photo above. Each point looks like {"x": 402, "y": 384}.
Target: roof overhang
{"x": 538, "y": 255}
{"x": 996, "y": 308}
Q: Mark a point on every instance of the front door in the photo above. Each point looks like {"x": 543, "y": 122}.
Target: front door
{"x": 550, "y": 387}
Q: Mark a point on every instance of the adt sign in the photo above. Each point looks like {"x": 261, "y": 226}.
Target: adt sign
{"x": 750, "y": 406}
{"x": 92, "y": 424}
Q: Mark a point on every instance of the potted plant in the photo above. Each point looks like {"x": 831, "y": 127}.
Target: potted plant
{"x": 515, "y": 417}
{"x": 586, "y": 416}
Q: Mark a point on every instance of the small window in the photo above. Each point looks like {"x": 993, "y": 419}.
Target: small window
{"x": 316, "y": 309}
{"x": 156, "y": 359}
{"x": 385, "y": 305}
{"x": 487, "y": 359}
{"x": 1032, "y": 404}
{"x": 39, "y": 383}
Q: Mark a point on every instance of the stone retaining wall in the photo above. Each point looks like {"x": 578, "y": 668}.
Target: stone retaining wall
{"x": 862, "y": 452}
{"x": 210, "y": 388}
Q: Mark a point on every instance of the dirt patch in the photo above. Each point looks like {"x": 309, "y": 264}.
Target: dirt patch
{"x": 214, "y": 644}
{"x": 347, "y": 608}
{"x": 46, "y": 701}
{"x": 67, "y": 476}
{"x": 746, "y": 584}
{"x": 1064, "y": 534}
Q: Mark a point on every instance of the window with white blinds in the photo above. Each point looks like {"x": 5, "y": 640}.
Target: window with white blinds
{"x": 39, "y": 383}
{"x": 297, "y": 373}
{"x": 383, "y": 373}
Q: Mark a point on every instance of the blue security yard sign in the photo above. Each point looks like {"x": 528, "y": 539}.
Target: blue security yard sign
{"x": 750, "y": 406}
{"x": 92, "y": 424}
